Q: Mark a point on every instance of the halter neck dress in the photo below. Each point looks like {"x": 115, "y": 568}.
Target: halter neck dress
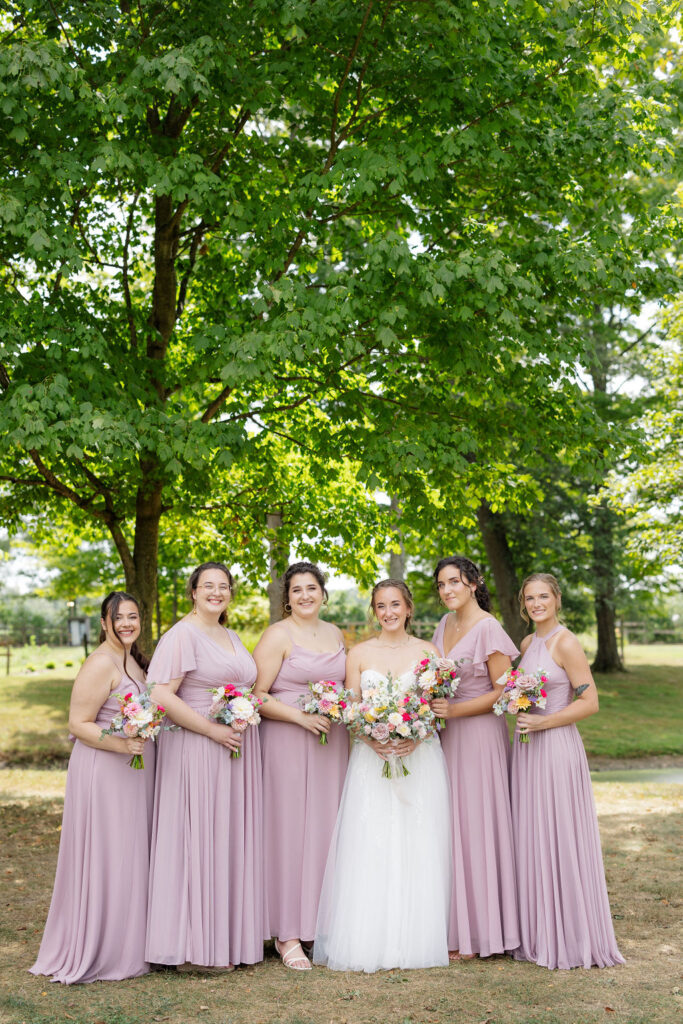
{"x": 206, "y": 874}
{"x": 483, "y": 904}
{"x": 565, "y": 918}
{"x": 95, "y": 929}
{"x": 302, "y": 786}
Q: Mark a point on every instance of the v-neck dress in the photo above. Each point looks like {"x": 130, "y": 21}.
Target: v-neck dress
{"x": 302, "y": 786}
{"x": 206, "y": 873}
{"x": 95, "y": 930}
{"x": 483, "y": 915}
{"x": 564, "y": 913}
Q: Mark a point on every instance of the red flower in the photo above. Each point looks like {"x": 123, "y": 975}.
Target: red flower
{"x": 406, "y": 716}
{"x": 543, "y": 693}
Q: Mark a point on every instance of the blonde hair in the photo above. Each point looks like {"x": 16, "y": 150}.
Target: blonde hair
{"x": 541, "y": 577}
{"x": 405, "y": 592}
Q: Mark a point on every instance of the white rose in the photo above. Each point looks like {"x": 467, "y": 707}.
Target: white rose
{"x": 242, "y": 708}
{"x": 395, "y": 718}
{"x": 404, "y": 729}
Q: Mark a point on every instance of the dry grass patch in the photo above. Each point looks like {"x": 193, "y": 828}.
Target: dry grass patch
{"x": 638, "y": 824}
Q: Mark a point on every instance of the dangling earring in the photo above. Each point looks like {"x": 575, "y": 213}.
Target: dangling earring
{"x": 194, "y": 607}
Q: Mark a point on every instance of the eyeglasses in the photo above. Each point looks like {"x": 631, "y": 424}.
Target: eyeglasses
{"x": 223, "y": 588}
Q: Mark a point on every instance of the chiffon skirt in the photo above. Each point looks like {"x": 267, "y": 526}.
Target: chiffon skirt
{"x": 95, "y": 930}
{"x": 385, "y": 895}
{"x": 206, "y": 874}
{"x": 565, "y": 918}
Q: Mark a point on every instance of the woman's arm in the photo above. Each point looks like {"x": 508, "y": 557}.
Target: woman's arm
{"x": 180, "y": 713}
{"x": 569, "y": 655}
{"x": 269, "y": 653}
{"x": 497, "y": 665}
{"x": 93, "y": 684}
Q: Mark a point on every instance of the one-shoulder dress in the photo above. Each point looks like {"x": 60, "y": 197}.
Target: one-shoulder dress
{"x": 483, "y": 904}
{"x": 302, "y": 786}
{"x": 95, "y": 929}
{"x": 206, "y": 872}
{"x": 564, "y": 913}
{"x": 384, "y": 901}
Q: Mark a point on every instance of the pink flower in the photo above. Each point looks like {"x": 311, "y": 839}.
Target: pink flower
{"x": 130, "y": 729}
{"x": 543, "y": 693}
{"x": 380, "y": 731}
{"x": 239, "y": 725}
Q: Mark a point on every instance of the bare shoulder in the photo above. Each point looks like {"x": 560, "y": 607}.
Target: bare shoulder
{"x": 525, "y": 642}
{"x": 98, "y": 669}
{"x": 425, "y": 646}
{"x": 275, "y": 637}
{"x": 358, "y": 651}
{"x": 568, "y": 643}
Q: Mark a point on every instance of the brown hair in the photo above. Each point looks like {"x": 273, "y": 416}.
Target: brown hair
{"x": 298, "y": 569}
{"x": 110, "y": 607}
{"x": 542, "y": 577}
{"x": 471, "y": 574}
{"x": 405, "y": 591}
{"x": 194, "y": 580}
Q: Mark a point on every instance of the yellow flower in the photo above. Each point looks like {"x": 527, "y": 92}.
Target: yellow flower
{"x": 369, "y": 717}
{"x": 523, "y": 703}
{"x": 334, "y": 711}
{"x": 424, "y": 709}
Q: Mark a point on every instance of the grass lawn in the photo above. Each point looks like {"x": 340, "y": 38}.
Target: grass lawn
{"x": 641, "y": 712}
{"x": 638, "y": 824}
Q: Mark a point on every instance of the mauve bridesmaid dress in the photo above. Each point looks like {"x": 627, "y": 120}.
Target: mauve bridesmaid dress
{"x": 302, "y": 786}
{"x": 483, "y": 916}
{"x": 206, "y": 866}
{"x": 95, "y": 930}
{"x": 564, "y": 913}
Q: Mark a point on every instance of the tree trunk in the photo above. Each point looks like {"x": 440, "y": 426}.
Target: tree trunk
{"x": 607, "y": 658}
{"x": 397, "y": 559}
{"x": 502, "y": 564}
{"x": 145, "y": 553}
{"x": 275, "y": 553}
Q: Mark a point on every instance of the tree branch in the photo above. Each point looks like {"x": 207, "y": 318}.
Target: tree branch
{"x": 126, "y": 285}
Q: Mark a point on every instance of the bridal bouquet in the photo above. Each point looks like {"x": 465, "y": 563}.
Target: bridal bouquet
{"x": 327, "y": 699}
{"x": 522, "y": 691}
{"x": 139, "y": 718}
{"x": 384, "y": 714}
{"x": 236, "y": 708}
{"x": 437, "y": 677}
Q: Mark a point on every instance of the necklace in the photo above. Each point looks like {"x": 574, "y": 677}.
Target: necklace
{"x": 394, "y": 647}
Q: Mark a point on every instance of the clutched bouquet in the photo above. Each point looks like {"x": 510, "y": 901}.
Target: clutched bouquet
{"x": 234, "y": 707}
{"x": 328, "y": 699}
{"x": 523, "y": 691}
{"x": 384, "y": 714}
{"x": 138, "y": 718}
{"x": 437, "y": 677}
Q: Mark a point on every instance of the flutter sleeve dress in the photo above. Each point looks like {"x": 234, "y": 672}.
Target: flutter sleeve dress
{"x": 564, "y": 912}
{"x": 95, "y": 929}
{"x": 206, "y": 872}
{"x": 483, "y": 913}
{"x": 302, "y": 786}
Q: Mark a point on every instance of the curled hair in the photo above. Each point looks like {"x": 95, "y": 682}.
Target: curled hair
{"x": 471, "y": 574}
{"x": 297, "y": 569}
{"x": 541, "y": 577}
{"x": 109, "y": 609}
{"x": 405, "y": 591}
{"x": 194, "y": 580}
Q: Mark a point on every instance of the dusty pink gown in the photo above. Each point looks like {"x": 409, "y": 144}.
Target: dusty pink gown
{"x": 206, "y": 866}
{"x": 483, "y": 915}
{"x": 302, "y": 786}
{"x": 564, "y": 912}
{"x": 95, "y": 930}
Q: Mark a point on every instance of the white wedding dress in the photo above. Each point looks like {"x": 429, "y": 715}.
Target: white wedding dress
{"x": 387, "y": 886}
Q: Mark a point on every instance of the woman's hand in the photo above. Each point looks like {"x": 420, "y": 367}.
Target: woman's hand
{"x": 134, "y": 746}
{"x": 531, "y": 723}
{"x": 441, "y": 707}
{"x": 226, "y": 736}
{"x": 402, "y": 747}
{"x": 316, "y": 724}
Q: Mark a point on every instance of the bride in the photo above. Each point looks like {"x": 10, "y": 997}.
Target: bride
{"x": 386, "y": 891}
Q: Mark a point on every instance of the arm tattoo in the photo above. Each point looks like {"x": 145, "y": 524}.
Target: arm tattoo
{"x": 580, "y": 689}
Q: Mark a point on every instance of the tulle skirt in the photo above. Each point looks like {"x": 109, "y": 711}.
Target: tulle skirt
{"x": 386, "y": 891}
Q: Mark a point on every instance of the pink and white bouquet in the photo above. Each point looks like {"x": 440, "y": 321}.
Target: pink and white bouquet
{"x": 523, "y": 691}
{"x": 139, "y": 718}
{"x": 386, "y": 713}
{"x": 437, "y": 677}
{"x": 328, "y": 699}
{"x": 236, "y": 708}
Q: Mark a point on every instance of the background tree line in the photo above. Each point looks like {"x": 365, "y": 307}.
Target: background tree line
{"x": 265, "y": 264}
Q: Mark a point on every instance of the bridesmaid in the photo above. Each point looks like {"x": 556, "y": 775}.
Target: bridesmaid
{"x": 302, "y": 779}
{"x": 205, "y": 889}
{"x": 483, "y": 914}
{"x": 565, "y": 918}
{"x": 96, "y": 925}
